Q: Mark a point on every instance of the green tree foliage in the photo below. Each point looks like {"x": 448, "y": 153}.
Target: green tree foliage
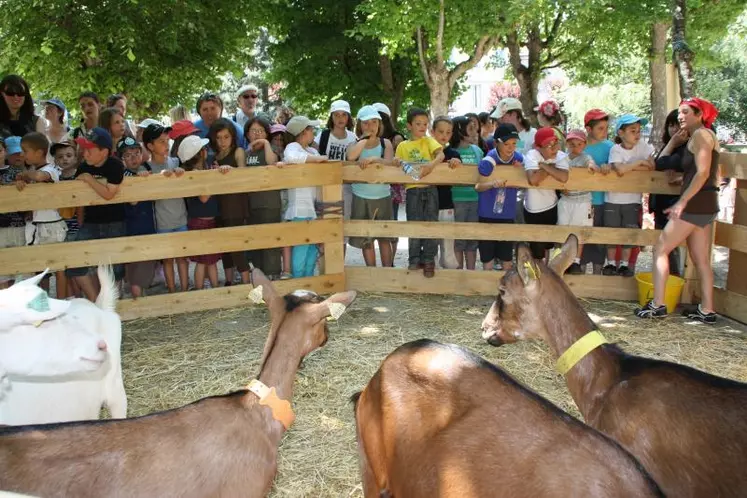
{"x": 614, "y": 98}
{"x": 158, "y": 52}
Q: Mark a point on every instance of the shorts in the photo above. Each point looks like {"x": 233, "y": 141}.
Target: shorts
{"x": 370, "y": 209}
{"x": 96, "y": 231}
{"x": 622, "y": 216}
{"x": 502, "y": 250}
{"x": 47, "y": 232}
{"x": 203, "y": 224}
{"x": 465, "y": 212}
{"x": 11, "y": 237}
{"x": 595, "y": 253}
{"x": 182, "y": 228}
{"x": 573, "y": 212}
{"x": 548, "y": 217}
{"x": 699, "y": 220}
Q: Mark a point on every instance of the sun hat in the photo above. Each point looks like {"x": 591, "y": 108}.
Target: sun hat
{"x": 182, "y": 128}
{"x": 95, "y": 138}
{"x": 544, "y": 136}
{"x": 55, "y": 102}
{"x": 576, "y": 135}
{"x": 506, "y": 105}
{"x": 594, "y": 115}
{"x": 190, "y": 147}
{"x": 340, "y": 105}
{"x": 628, "y": 119}
{"x": 277, "y": 128}
{"x": 383, "y": 108}
{"x": 13, "y": 145}
{"x": 506, "y": 131}
{"x": 297, "y": 124}
{"x": 368, "y": 112}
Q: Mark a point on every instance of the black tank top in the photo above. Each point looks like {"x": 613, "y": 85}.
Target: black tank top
{"x": 706, "y": 200}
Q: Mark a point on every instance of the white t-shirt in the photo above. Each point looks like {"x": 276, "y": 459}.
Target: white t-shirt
{"x": 620, "y": 155}
{"x": 526, "y": 140}
{"x": 337, "y": 148}
{"x": 44, "y": 215}
{"x": 537, "y": 200}
{"x": 300, "y": 200}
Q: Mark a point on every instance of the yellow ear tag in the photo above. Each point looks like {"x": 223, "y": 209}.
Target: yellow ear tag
{"x": 533, "y": 273}
{"x": 255, "y": 295}
{"x": 554, "y": 253}
{"x": 335, "y": 311}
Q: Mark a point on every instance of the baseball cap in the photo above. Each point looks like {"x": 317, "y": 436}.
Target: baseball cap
{"x": 340, "y": 105}
{"x": 246, "y": 88}
{"x": 96, "y": 137}
{"x": 383, "y": 108}
{"x": 182, "y": 128}
{"x": 594, "y": 114}
{"x": 626, "y": 119}
{"x": 297, "y": 124}
{"x": 505, "y": 105}
{"x": 506, "y": 131}
{"x": 190, "y": 147}
{"x": 13, "y": 145}
{"x": 58, "y": 145}
{"x": 368, "y": 112}
{"x": 55, "y": 102}
{"x": 576, "y": 135}
{"x": 147, "y": 122}
{"x": 544, "y": 136}
{"x": 126, "y": 143}
{"x": 277, "y": 128}
{"x": 153, "y": 131}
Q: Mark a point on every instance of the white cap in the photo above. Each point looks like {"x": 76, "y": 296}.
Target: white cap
{"x": 297, "y": 124}
{"x": 245, "y": 88}
{"x": 505, "y": 105}
{"x": 190, "y": 146}
{"x": 340, "y": 105}
{"x": 383, "y": 108}
{"x": 147, "y": 122}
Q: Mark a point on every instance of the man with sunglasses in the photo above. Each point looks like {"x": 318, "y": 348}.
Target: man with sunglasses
{"x": 248, "y": 99}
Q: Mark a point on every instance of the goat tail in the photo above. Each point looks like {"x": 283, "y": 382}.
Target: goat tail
{"x": 109, "y": 293}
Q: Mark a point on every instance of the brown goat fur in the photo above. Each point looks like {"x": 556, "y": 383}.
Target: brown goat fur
{"x": 437, "y": 420}
{"x": 687, "y": 427}
{"x": 222, "y": 446}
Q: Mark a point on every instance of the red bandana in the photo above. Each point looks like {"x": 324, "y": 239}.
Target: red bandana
{"x": 707, "y": 110}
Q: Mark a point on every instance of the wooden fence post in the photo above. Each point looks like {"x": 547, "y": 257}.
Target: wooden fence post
{"x": 333, "y": 260}
{"x": 735, "y": 280}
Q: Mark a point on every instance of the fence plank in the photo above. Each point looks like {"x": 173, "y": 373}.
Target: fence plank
{"x": 580, "y": 179}
{"x": 151, "y": 247}
{"x": 222, "y": 297}
{"x": 731, "y": 236}
{"x": 731, "y": 304}
{"x": 333, "y": 260}
{"x": 735, "y": 279}
{"x": 733, "y": 165}
{"x": 254, "y": 179}
{"x": 480, "y": 283}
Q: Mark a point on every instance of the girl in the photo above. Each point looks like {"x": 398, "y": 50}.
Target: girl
{"x": 465, "y": 197}
{"x": 549, "y": 114}
{"x": 442, "y": 131}
{"x": 393, "y": 135}
{"x": 277, "y": 139}
{"x": 112, "y": 120}
{"x": 201, "y": 210}
{"x": 487, "y": 128}
{"x": 371, "y": 201}
{"x": 300, "y": 134}
{"x": 17, "y": 108}
{"x": 264, "y": 207}
{"x": 234, "y": 208}
{"x": 180, "y": 130}
{"x": 691, "y": 217}
{"x": 89, "y": 108}
{"x": 473, "y": 130}
{"x": 119, "y": 101}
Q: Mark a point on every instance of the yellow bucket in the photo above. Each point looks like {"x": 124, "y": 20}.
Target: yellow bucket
{"x": 672, "y": 292}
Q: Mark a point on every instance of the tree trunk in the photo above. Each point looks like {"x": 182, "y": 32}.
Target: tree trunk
{"x": 440, "y": 91}
{"x": 393, "y": 83}
{"x": 681, "y": 53}
{"x": 527, "y": 76}
{"x": 657, "y": 67}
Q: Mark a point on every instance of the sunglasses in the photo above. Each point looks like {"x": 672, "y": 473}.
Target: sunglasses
{"x": 249, "y": 96}
{"x": 13, "y": 94}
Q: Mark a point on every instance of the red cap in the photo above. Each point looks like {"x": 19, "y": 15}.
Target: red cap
{"x": 594, "y": 114}
{"x": 544, "y": 136}
{"x": 576, "y": 134}
{"x": 182, "y": 129}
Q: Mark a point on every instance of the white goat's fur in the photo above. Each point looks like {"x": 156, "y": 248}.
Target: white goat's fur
{"x": 78, "y": 396}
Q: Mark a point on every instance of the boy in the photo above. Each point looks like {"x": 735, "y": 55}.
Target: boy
{"x": 12, "y": 225}
{"x": 422, "y": 200}
{"x": 65, "y": 156}
{"x": 104, "y": 174}
{"x": 14, "y": 153}
{"x": 171, "y": 214}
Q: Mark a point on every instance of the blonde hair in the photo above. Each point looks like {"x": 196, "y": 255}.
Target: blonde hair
{"x": 359, "y": 130}
{"x": 179, "y": 113}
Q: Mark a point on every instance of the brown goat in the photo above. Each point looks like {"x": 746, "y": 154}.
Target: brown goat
{"x": 438, "y": 421}
{"x": 688, "y": 428}
{"x": 218, "y": 446}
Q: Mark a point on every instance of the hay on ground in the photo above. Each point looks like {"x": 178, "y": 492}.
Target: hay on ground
{"x": 172, "y": 361}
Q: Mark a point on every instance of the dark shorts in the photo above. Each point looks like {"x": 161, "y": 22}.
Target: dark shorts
{"x": 622, "y": 216}
{"x": 595, "y": 253}
{"x": 502, "y": 250}
{"x": 699, "y": 220}
{"x": 549, "y": 217}
{"x": 96, "y": 231}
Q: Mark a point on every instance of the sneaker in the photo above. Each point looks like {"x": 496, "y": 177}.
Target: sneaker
{"x": 624, "y": 271}
{"x": 429, "y": 270}
{"x": 651, "y": 311}
{"x": 575, "y": 269}
{"x": 697, "y": 314}
{"x": 609, "y": 270}
{"x": 286, "y": 275}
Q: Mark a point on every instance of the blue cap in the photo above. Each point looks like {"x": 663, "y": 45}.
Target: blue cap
{"x": 55, "y": 102}
{"x": 13, "y": 145}
{"x": 368, "y": 112}
{"x": 626, "y": 119}
{"x": 96, "y": 137}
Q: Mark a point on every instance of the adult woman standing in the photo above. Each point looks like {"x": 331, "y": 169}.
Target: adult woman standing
{"x": 17, "y": 108}
{"x": 89, "y": 108}
{"x": 692, "y": 216}
{"x": 54, "y": 112}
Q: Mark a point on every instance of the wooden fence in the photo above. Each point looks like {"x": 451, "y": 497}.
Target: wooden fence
{"x": 329, "y": 230}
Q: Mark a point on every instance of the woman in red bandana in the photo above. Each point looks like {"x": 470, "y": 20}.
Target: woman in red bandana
{"x": 692, "y": 216}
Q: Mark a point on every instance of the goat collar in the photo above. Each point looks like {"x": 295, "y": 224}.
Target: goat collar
{"x": 578, "y": 350}
{"x": 281, "y": 408}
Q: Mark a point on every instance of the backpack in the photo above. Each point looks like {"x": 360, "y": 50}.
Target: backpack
{"x": 324, "y": 141}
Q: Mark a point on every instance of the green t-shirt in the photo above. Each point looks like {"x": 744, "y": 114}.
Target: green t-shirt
{"x": 467, "y": 193}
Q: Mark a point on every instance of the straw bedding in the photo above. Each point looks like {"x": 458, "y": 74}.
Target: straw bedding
{"x": 175, "y": 360}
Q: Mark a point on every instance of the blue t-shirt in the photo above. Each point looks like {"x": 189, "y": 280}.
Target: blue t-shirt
{"x": 600, "y": 152}
{"x": 486, "y": 199}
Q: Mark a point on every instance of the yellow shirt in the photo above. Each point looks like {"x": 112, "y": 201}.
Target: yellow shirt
{"x": 422, "y": 150}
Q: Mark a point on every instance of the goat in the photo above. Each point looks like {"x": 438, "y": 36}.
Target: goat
{"x": 438, "y": 420}
{"x": 217, "y": 446}
{"x": 687, "y": 427}
{"x": 36, "y": 398}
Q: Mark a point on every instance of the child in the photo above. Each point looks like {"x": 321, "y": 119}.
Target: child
{"x": 496, "y": 203}
{"x": 574, "y": 208}
{"x": 234, "y": 208}
{"x": 98, "y": 222}
{"x": 541, "y": 206}
{"x": 203, "y": 209}
{"x": 442, "y": 130}
{"x": 112, "y": 120}
{"x": 179, "y": 130}
{"x": 14, "y": 152}
{"x": 12, "y": 225}
{"x": 371, "y": 201}
{"x": 139, "y": 217}
{"x": 277, "y": 138}
{"x": 596, "y": 122}
{"x": 65, "y": 156}
{"x": 300, "y": 130}
{"x": 465, "y": 196}
{"x": 421, "y": 200}
{"x": 549, "y": 114}
{"x": 171, "y": 214}
{"x": 623, "y": 210}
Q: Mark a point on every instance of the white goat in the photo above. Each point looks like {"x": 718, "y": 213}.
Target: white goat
{"x": 75, "y": 396}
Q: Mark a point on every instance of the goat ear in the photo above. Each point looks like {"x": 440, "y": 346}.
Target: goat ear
{"x": 526, "y": 266}
{"x": 560, "y": 263}
{"x": 33, "y": 280}
{"x": 258, "y": 278}
{"x": 334, "y": 306}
